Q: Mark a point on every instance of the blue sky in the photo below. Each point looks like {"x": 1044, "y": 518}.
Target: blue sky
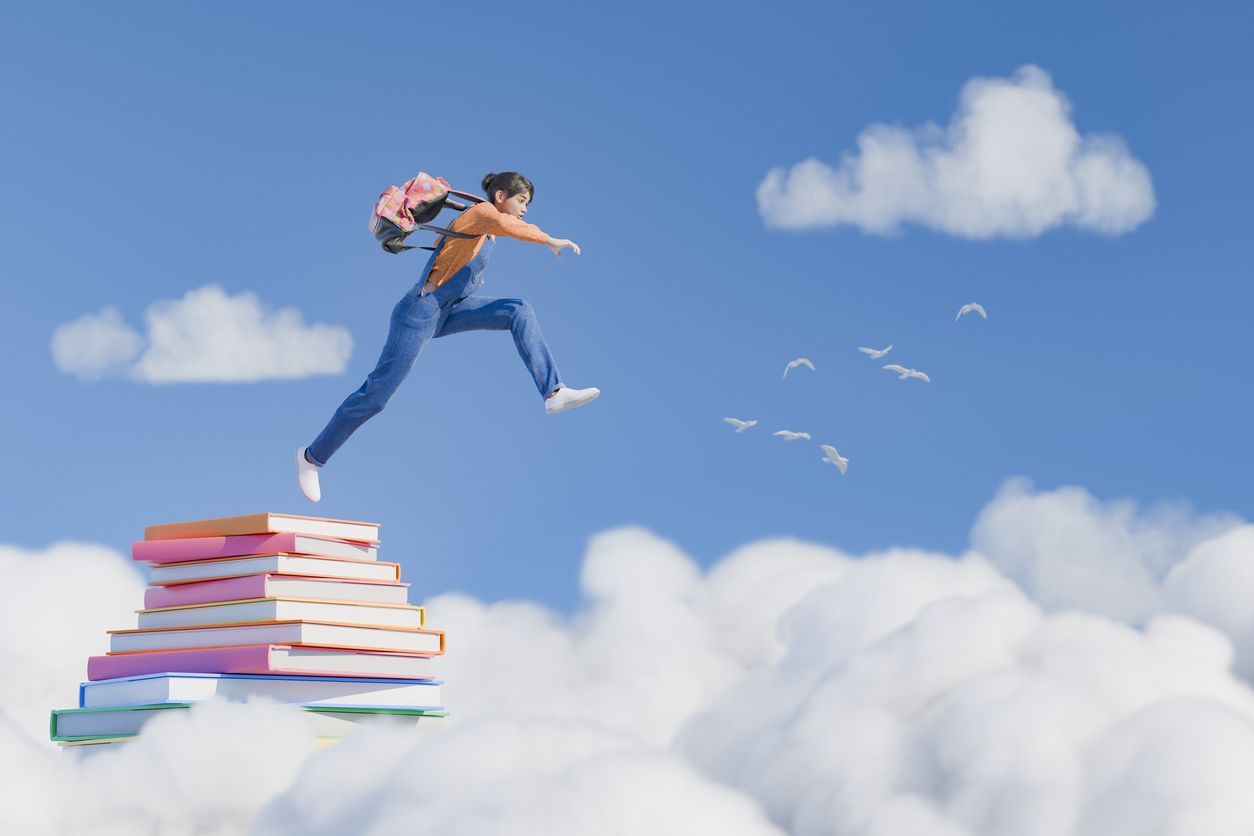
{"x": 150, "y": 151}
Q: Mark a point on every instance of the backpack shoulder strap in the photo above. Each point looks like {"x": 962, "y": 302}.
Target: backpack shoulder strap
{"x": 394, "y": 245}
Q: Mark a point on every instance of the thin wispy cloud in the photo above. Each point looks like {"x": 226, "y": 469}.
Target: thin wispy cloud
{"x": 207, "y": 336}
{"x": 790, "y": 688}
{"x": 1010, "y": 163}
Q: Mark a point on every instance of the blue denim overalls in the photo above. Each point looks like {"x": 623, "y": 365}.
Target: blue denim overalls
{"x": 420, "y": 316}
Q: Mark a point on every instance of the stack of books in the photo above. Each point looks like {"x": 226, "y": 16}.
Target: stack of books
{"x": 291, "y": 608}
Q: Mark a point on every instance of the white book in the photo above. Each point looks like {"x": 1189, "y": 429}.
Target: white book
{"x": 333, "y": 661}
{"x": 316, "y": 633}
{"x": 283, "y": 609}
{"x": 330, "y": 547}
{"x": 285, "y": 564}
{"x": 326, "y": 590}
{"x": 307, "y": 690}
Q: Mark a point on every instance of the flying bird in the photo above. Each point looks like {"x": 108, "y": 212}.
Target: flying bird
{"x": 875, "y": 353}
{"x": 832, "y": 457}
{"x": 740, "y": 426}
{"x": 800, "y": 361}
{"x": 789, "y": 435}
{"x": 903, "y": 373}
{"x": 971, "y": 306}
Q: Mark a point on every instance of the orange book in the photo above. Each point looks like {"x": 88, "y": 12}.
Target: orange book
{"x": 266, "y": 524}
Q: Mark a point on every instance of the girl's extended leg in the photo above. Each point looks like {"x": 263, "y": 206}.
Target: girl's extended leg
{"x": 414, "y": 321}
{"x": 484, "y": 313}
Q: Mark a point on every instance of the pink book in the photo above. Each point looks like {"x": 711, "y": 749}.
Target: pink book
{"x": 248, "y": 587}
{"x": 265, "y": 659}
{"x": 236, "y": 545}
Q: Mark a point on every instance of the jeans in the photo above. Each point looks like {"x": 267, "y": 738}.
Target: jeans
{"x": 418, "y": 318}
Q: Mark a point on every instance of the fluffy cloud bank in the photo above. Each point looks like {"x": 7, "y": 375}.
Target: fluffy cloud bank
{"x": 1010, "y": 163}
{"x": 788, "y": 689}
{"x": 1070, "y": 551}
{"x": 207, "y": 336}
{"x": 60, "y": 601}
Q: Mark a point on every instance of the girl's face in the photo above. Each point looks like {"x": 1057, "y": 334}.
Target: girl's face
{"x": 516, "y": 205}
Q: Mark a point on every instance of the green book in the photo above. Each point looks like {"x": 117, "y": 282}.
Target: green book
{"x": 88, "y": 725}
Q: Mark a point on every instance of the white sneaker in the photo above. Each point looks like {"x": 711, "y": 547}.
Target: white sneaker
{"x": 567, "y": 398}
{"x": 307, "y": 473}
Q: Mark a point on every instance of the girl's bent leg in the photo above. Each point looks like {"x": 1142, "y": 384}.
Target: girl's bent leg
{"x": 413, "y": 323}
{"x": 484, "y": 313}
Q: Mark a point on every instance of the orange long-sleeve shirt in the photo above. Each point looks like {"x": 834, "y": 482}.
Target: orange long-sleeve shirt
{"x": 481, "y": 219}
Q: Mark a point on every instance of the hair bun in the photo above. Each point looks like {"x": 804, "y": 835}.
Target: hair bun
{"x": 510, "y": 182}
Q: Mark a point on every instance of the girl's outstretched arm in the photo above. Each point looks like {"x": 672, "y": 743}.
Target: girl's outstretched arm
{"x": 484, "y": 219}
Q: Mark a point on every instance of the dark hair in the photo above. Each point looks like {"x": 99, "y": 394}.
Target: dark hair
{"x": 510, "y": 182}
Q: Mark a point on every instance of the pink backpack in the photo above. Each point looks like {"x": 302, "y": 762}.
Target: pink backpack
{"x": 402, "y": 211}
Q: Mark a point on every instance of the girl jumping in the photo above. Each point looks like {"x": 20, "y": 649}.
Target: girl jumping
{"x": 442, "y": 302}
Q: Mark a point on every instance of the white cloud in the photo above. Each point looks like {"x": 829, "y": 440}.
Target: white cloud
{"x": 1010, "y": 163}
{"x": 1067, "y": 549}
{"x": 520, "y": 776}
{"x": 59, "y": 602}
{"x": 980, "y": 715}
{"x": 791, "y": 688}
{"x": 1181, "y": 766}
{"x": 95, "y": 345}
{"x": 207, "y": 772}
{"x": 207, "y": 336}
{"x": 1215, "y": 585}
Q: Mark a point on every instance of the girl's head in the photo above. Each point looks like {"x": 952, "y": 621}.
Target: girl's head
{"x": 509, "y": 192}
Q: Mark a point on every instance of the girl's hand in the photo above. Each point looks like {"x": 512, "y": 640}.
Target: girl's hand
{"x": 559, "y": 244}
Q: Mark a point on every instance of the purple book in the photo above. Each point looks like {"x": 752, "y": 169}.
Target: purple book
{"x": 261, "y": 659}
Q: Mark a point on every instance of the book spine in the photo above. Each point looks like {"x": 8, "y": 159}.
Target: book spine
{"x": 208, "y": 548}
{"x": 248, "y": 524}
{"x": 362, "y": 532}
{"x": 238, "y": 659}
{"x": 206, "y": 592}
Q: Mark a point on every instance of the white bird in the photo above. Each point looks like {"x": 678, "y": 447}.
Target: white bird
{"x": 789, "y": 435}
{"x": 740, "y": 426}
{"x": 875, "y": 353}
{"x": 832, "y": 457}
{"x": 971, "y": 306}
{"x": 800, "y": 361}
{"x": 903, "y": 373}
